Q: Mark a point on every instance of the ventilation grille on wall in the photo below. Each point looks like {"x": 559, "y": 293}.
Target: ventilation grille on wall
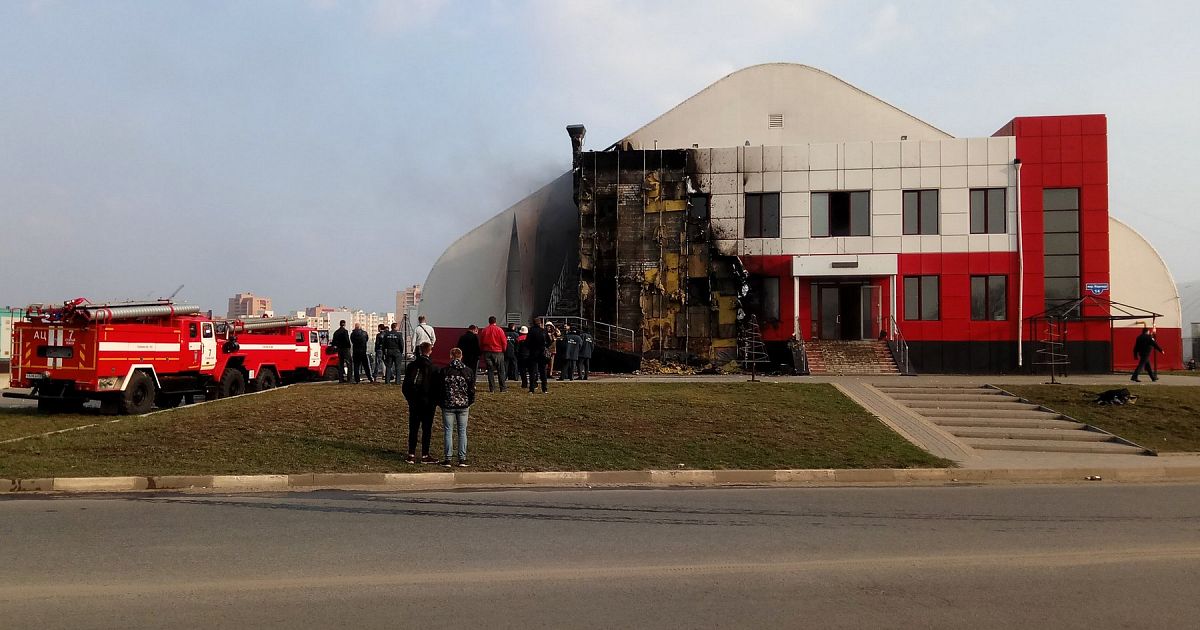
{"x": 775, "y": 121}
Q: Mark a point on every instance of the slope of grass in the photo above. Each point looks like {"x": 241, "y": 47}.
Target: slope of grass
{"x": 595, "y": 426}
{"x": 1165, "y": 418}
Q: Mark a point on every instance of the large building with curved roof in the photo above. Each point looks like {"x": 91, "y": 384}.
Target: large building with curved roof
{"x": 828, "y": 215}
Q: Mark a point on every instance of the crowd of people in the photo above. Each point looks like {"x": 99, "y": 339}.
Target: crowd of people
{"x": 530, "y": 354}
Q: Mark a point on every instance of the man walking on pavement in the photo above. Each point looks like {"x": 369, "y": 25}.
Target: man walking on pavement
{"x": 341, "y": 341}
{"x": 423, "y": 334}
{"x": 393, "y": 348}
{"x": 421, "y": 391}
{"x": 378, "y": 371}
{"x": 1143, "y": 347}
{"x": 358, "y": 339}
{"x": 585, "y": 354}
{"x": 493, "y": 342}
{"x": 570, "y": 355}
{"x": 457, "y": 388}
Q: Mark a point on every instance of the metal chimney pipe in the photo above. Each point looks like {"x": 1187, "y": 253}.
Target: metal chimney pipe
{"x": 577, "y": 132}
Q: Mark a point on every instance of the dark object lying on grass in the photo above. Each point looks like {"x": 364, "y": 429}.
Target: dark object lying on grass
{"x": 1116, "y": 397}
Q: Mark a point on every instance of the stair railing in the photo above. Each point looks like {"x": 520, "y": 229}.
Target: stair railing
{"x": 799, "y": 356}
{"x": 603, "y": 335}
{"x": 899, "y": 347}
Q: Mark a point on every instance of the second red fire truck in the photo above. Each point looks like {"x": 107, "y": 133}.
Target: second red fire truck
{"x": 133, "y": 356}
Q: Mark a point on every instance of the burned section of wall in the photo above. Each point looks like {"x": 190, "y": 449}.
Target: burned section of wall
{"x": 647, "y": 259}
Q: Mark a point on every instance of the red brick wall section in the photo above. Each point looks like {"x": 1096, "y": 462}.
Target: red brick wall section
{"x": 1064, "y": 152}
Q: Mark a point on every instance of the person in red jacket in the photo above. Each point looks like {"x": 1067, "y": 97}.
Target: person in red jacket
{"x": 493, "y": 341}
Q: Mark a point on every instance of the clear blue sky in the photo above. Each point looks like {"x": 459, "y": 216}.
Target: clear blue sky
{"x": 329, "y": 151}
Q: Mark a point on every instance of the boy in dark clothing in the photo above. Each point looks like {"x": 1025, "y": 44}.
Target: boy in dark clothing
{"x": 1143, "y": 347}
{"x": 341, "y": 341}
{"x": 469, "y": 344}
{"x": 456, "y": 386}
{"x": 421, "y": 391}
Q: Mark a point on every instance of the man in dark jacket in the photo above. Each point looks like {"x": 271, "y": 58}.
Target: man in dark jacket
{"x": 585, "y": 354}
{"x": 393, "y": 348}
{"x": 536, "y": 344}
{"x": 569, "y": 354}
{"x": 456, "y": 385}
{"x": 359, "y": 339}
{"x": 510, "y": 352}
{"x": 469, "y": 344}
{"x": 341, "y": 341}
{"x": 377, "y": 369}
{"x": 523, "y": 356}
{"x": 1143, "y": 347}
{"x": 421, "y": 391}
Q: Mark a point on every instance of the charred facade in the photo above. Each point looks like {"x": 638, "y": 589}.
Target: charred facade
{"x": 648, "y": 259}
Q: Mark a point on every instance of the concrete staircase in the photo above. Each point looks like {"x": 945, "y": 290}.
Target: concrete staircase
{"x": 989, "y": 419}
{"x": 849, "y": 357}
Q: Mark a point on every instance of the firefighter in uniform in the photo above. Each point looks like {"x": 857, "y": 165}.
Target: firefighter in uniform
{"x": 393, "y": 347}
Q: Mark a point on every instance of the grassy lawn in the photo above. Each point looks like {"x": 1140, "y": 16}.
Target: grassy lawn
{"x": 1165, "y": 418}
{"x": 597, "y": 426}
{"x": 20, "y": 421}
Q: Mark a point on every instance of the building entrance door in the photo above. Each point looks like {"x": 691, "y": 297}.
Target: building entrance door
{"x": 841, "y": 310}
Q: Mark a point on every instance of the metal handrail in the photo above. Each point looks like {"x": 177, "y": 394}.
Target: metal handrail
{"x": 899, "y": 347}
{"x": 603, "y": 335}
{"x": 800, "y": 356}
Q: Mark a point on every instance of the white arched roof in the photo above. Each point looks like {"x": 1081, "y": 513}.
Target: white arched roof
{"x": 1140, "y": 277}
{"x": 816, "y": 107}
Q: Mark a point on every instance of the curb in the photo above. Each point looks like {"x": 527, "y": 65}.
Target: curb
{"x": 610, "y": 478}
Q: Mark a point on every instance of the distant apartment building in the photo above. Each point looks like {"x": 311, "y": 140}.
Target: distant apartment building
{"x": 249, "y": 305}
{"x": 408, "y": 299}
{"x": 324, "y": 317}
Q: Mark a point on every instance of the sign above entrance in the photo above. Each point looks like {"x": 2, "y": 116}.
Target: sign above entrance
{"x": 1097, "y": 288}
{"x": 816, "y": 265}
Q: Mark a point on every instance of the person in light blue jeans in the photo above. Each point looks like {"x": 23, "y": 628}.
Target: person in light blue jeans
{"x": 457, "y": 383}
{"x": 452, "y": 418}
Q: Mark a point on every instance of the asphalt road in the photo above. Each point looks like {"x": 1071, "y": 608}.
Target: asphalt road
{"x": 1079, "y": 556}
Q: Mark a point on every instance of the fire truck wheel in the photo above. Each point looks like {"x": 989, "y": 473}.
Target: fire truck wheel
{"x": 331, "y": 373}
{"x": 138, "y": 397}
{"x": 232, "y": 383}
{"x": 168, "y": 401}
{"x": 266, "y": 380}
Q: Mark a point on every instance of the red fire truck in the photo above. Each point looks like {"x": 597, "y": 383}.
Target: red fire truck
{"x": 131, "y": 356}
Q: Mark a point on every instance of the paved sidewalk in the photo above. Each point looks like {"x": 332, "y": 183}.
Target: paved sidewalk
{"x": 904, "y": 421}
{"x": 910, "y": 381}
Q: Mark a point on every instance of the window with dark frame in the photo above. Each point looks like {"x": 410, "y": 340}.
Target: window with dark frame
{"x": 922, "y": 298}
{"x": 989, "y": 298}
{"x": 762, "y": 215}
{"x": 1060, "y": 224}
{"x": 764, "y": 298}
{"x": 840, "y": 213}
{"x": 921, "y": 212}
{"x": 988, "y": 211}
